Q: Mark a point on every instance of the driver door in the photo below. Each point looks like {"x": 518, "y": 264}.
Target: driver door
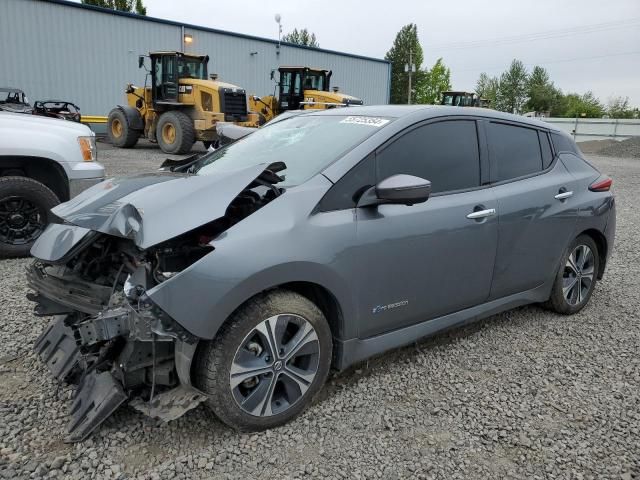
{"x": 290, "y": 91}
{"x": 423, "y": 261}
{"x": 166, "y": 79}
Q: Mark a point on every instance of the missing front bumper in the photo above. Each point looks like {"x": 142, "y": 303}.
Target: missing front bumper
{"x": 119, "y": 371}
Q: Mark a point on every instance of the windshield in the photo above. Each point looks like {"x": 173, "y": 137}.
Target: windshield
{"x": 306, "y": 144}
{"x": 13, "y": 96}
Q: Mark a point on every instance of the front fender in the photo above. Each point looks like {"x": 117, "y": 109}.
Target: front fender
{"x": 276, "y": 245}
{"x": 201, "y": 303}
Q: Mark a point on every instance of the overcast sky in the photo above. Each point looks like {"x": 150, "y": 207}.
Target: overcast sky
{"x": 584, "y": 44}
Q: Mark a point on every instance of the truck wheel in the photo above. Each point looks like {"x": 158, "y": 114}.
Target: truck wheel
{"x": 267, "y": 362}
{"x": 175, "y": 133}
{"x": 118, "y": 130}
{"x": 25, "y": 211}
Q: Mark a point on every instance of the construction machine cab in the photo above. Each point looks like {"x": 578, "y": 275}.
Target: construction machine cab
{"x": 294, "y": 81}
{"x": 463, "y": 99}
{"x": 459, "y": 99}
{"x": 167, "y": 68}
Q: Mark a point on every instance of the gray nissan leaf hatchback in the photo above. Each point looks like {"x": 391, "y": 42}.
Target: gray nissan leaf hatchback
{"x": 239, "y": 278}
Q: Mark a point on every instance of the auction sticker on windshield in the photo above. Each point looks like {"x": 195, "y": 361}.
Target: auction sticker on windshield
{"x": 371, "y": 121}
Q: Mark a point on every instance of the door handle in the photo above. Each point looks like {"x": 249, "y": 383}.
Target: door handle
{"x": 563, "y": 195}
{"x": 489, "y": 212}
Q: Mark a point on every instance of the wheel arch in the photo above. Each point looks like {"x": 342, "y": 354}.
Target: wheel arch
{"x": 601, "y": 242}
{"x": 44, "y": 170}
{"x": 317, "y": 294}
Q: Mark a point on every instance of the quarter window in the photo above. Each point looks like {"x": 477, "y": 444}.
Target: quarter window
{"x": 547, "y": 153}
{"x": 445, "y": 153}
{"x": 515, "y": 150}
{"x": 563, "y": 143}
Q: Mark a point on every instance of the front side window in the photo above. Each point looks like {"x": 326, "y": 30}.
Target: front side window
{"x": 306, "y": 144}
{"x": 445, "y": 153}
{"x": 192, "y": 68}
{"x": 515, "y": 150}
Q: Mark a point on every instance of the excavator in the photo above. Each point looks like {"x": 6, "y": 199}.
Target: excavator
{"x": 300, "y": 88}
{"x": 182, "y": 105}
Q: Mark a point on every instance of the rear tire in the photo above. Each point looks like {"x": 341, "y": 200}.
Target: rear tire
{"x": 25, "y": 211}
{"x": 175, "y": 133}
{"x": 118, "y": 130}
{"x": 284, "y": 383}
{"x": 576, "y": 277}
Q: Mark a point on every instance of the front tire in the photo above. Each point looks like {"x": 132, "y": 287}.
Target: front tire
{"x": 175, "y": 133}
{"x": 118, "y": 130}
{"x": 25, "y": 211}
{"x": 267, "y": 362}
{"x": 576, "y": 278}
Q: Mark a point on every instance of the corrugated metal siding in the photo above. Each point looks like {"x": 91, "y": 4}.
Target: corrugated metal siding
{"x": 52, "y": 50}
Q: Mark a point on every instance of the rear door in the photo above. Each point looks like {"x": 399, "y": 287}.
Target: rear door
{"x": 537, "y": 215}
{"x": 426, "y": 260}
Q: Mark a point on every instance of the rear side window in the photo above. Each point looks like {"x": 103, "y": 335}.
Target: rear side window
{"x": 445, "y": 153}
{"x": 562, "y": 143}
{"x": 547, "y": 153}
{"x": 515, "y": 150}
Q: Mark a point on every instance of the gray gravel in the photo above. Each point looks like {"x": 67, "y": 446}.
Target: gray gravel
{"x": 526, "y": 394}
{"x": 629, "y": 148}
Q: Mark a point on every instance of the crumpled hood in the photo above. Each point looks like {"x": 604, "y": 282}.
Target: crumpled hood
{"x": 152, "y": 208}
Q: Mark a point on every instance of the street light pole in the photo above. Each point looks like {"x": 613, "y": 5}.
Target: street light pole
{"x": 409, "y": 68}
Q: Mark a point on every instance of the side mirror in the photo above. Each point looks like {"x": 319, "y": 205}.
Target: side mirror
{"x": 140, "y": 61}
{"x": 273, "y": 74}
{"x": 402, "y": 189}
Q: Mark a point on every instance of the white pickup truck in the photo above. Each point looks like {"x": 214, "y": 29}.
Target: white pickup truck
{"x": 43, "y": 161}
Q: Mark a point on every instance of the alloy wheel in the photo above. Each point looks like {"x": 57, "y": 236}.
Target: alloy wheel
{"x": 21, "y": 221}
{"x": 275, "y": 365}
{"x": 578, "y": 275}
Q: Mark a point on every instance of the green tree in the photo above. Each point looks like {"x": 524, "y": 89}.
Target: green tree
{"x": 512, "y": 89}
{"x": 542, "y": 93}
{"x": 404, "y": 46}
{"x": 618, "y": 107}
{"x": 140, "y": 8}
{"x": 574, "y": 105}
{"x": 301, "y": 37}
{"x": 433, "y": 82}
{"x": 121, "y": 5}
{"x": 487, "y": 87}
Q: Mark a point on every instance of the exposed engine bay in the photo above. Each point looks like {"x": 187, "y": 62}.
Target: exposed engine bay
{"x": 106, "y": 335}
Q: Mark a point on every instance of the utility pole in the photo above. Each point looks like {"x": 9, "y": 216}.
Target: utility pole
{"x": 409, "y": 68}
{"x": 278, "y": 19}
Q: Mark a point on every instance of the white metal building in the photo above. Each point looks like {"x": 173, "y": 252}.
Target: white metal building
{"x": 56, "y": 49}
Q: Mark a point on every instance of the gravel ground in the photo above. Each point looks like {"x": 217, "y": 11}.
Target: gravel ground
{"x": 629, "y": 148}
{"x": 526, "y": 394}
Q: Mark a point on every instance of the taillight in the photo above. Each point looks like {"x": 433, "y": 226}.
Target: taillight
{"x": 602, "y": 184}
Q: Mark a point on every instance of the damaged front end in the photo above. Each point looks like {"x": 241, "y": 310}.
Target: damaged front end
{"x": 106, "y": 335}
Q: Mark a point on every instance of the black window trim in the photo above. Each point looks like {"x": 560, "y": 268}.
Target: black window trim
{"x": 539, "y": 130}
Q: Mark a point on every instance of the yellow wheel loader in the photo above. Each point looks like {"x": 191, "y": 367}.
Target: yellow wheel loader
{"x": 300, "y": 88}
{"x": 463, "y": 99}
{"x": 182, "y": 105}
